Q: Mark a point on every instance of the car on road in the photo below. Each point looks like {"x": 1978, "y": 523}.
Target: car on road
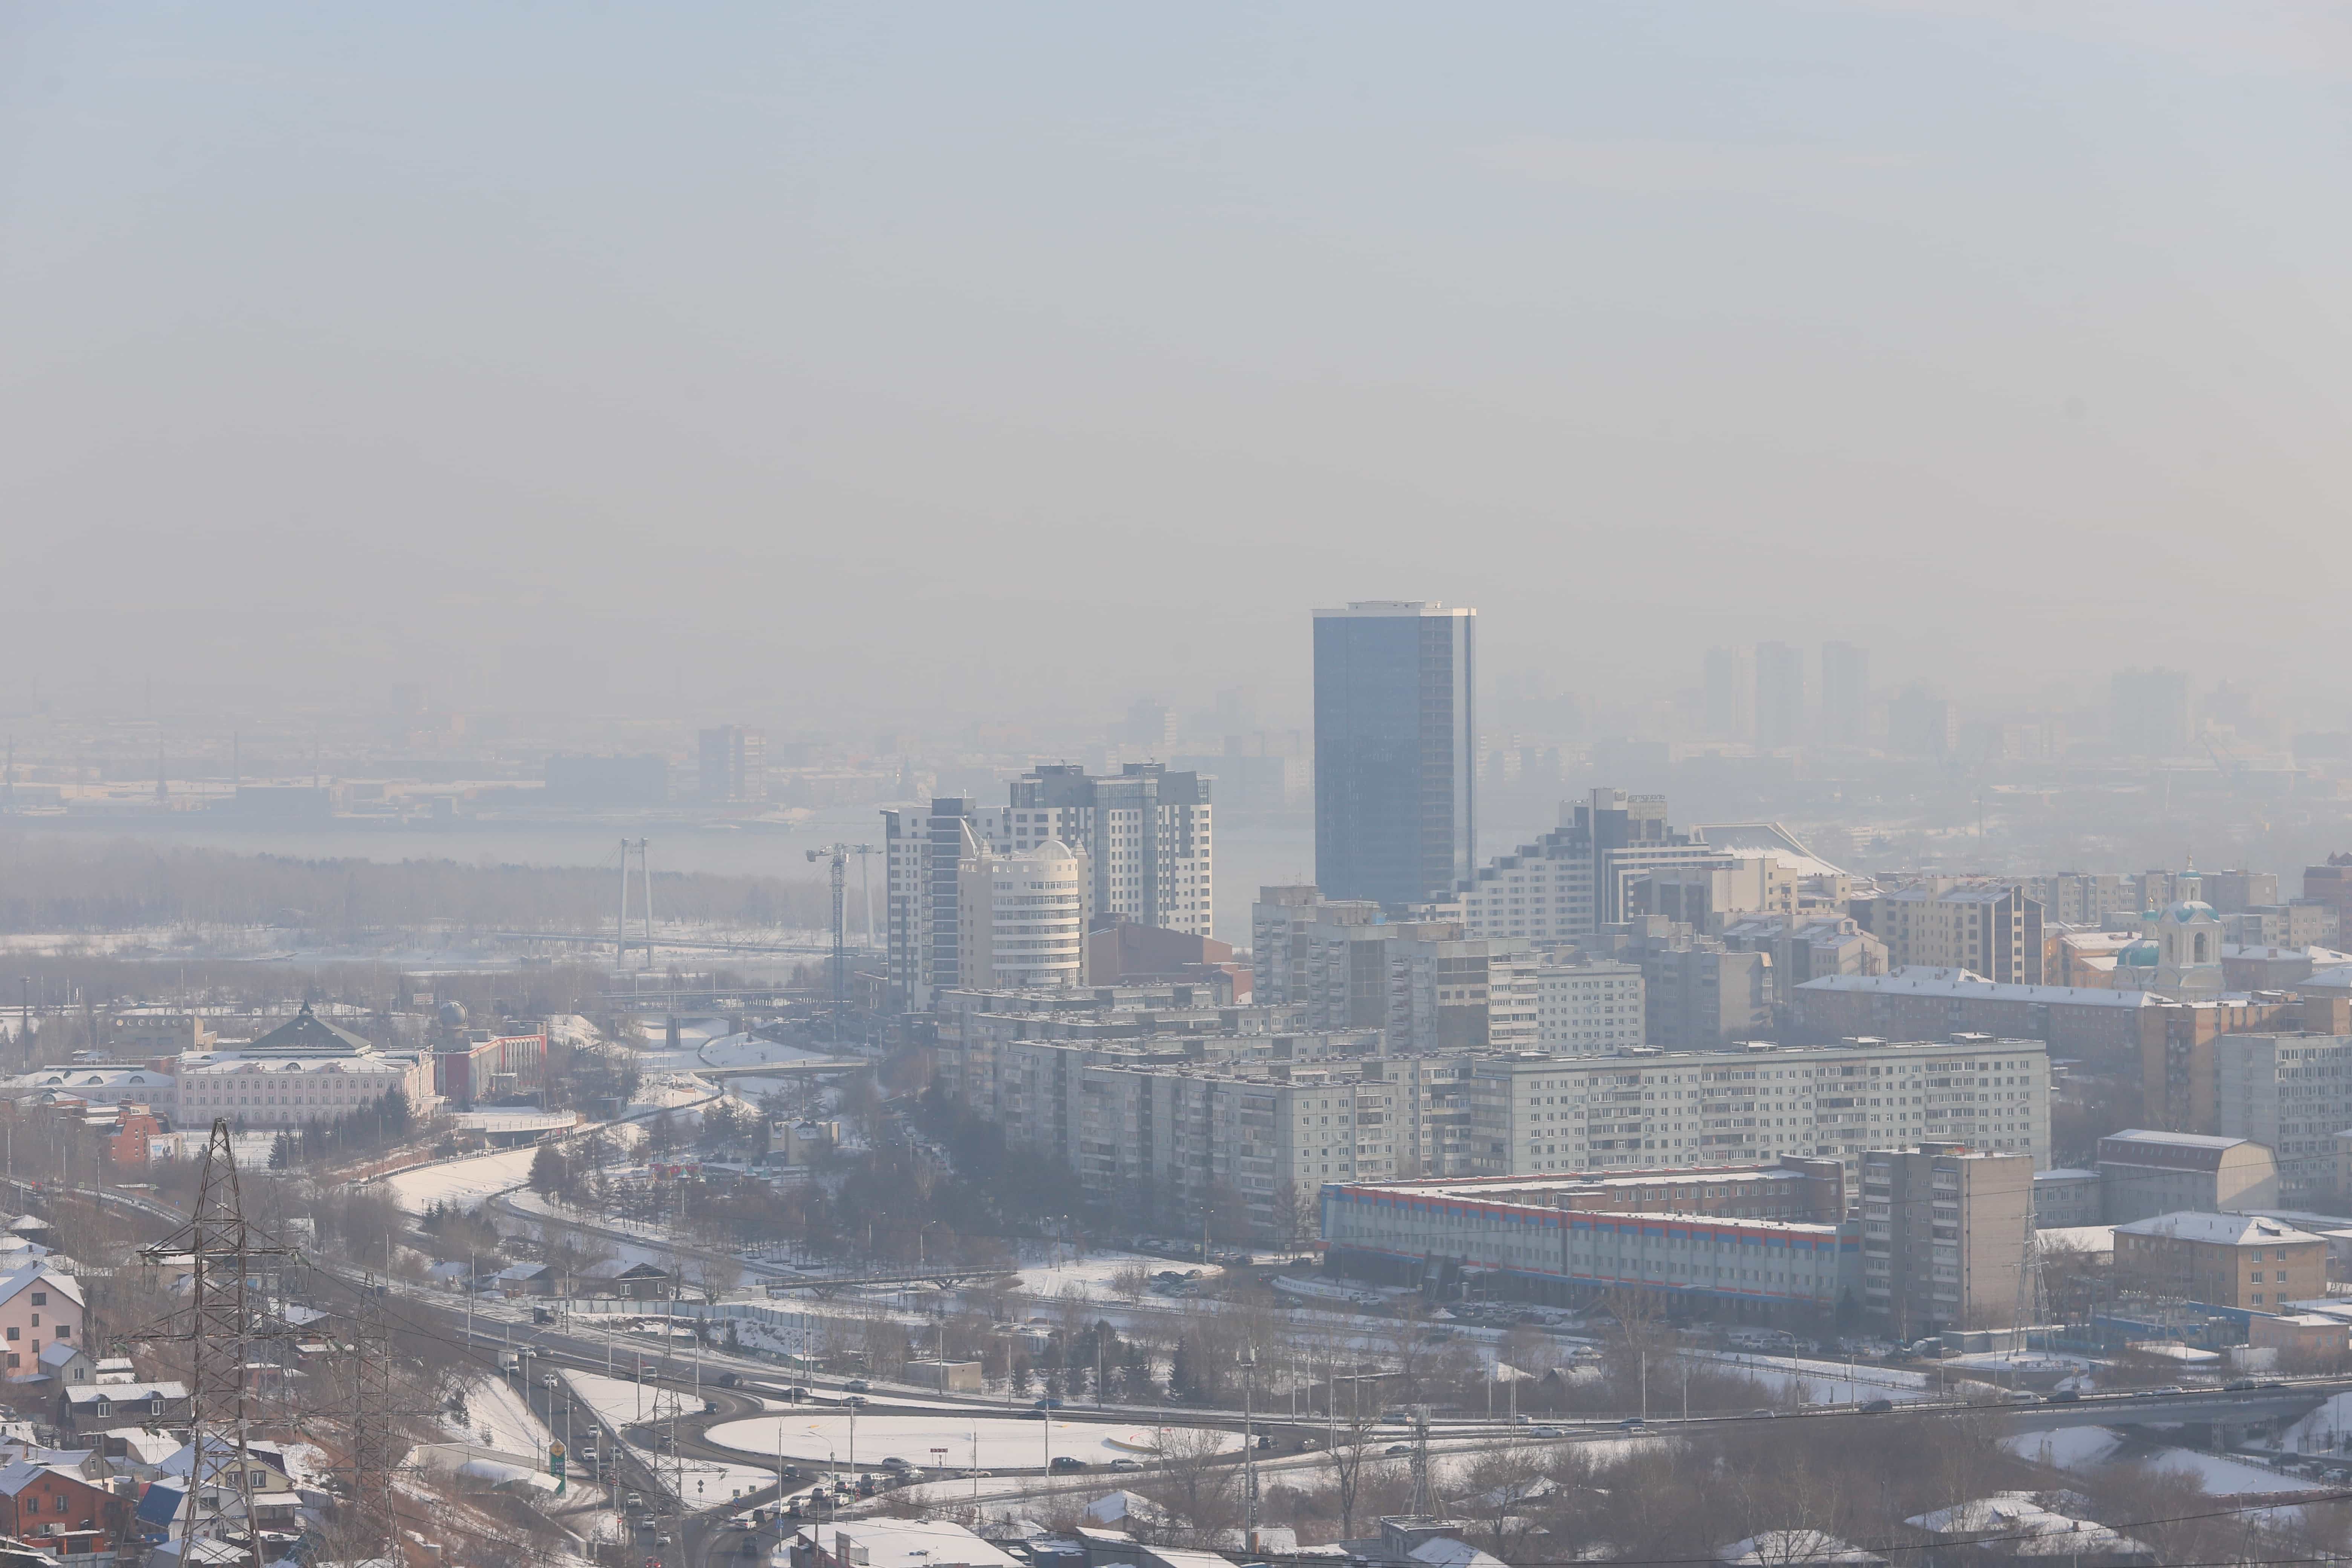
{"x": 2240, "y": 1385}
{"x": 895, "y": 1463}
{"x": 1875, "y": 1407}
{"x": 509, "y": 1363}
{"x": 1047, "y": 1404}
{"x": 633, "y": 1500}
{"x": 858, "y": 1399}
{"x": 729, "y": 1379}
{"x": 2063, "y": 1396}
{"x": 1064, "y": 1462}
{"x": 1550, "y": 1432}
{"x": 858, "y": 1385}
{"x": 549, "y": 1380}
{"x": 1763, "y": 1415}
{"x": 1125, "y": 1465}
{"x": 1632, "y": 1424}
{"x": 1396, "y": 1417}
{"x": 1266, "y": 1439}
{"x": 1398, "y": 1448}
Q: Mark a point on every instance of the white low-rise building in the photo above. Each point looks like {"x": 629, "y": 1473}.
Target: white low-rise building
{"x": 290, "y": 1091}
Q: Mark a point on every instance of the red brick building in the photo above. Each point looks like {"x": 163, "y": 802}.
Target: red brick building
{"x": 482, "y": 1066}
{"x": 54, "y": 1508}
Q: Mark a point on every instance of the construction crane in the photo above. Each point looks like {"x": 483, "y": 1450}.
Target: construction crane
{"x": 837, "y": 856}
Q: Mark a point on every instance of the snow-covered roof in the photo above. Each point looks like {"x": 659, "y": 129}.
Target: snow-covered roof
{"x": 123, "y": 1393}
{"x": 2220, "y": 1229}
{"x": 2025, "y": 1527}
{"x": 1920, "y": 980}
{"x": 906, "y": 1543}
{"x": 2157, "y": 1138}
{"x": 15, "y": 1476}
{"x": 1792, "y": 1547}
{"x": 31, "y": 1274}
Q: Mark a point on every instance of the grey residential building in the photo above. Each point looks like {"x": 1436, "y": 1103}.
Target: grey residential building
{"x": 1944, "y": 1233}
{"x": 1395, "y": 751}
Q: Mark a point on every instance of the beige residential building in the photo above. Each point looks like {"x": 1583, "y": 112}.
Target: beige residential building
{"x": 2222, "y": 1259}
{"x": 1944, "y": 1230}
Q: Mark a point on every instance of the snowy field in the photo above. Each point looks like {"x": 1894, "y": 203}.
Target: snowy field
{"x": 750, "y": 1050}
{"x": 464, "y": 1183}
{"x": 1089, "y": 1276}
{"x": 1000, "y": 1443}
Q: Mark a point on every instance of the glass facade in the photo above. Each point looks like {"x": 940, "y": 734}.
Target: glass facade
{"x": 1395, "y": 743}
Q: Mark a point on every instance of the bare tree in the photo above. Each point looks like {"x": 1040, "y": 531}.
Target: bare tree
{"x": 1194, "y": 1481}
{"x": 1353, "y": 1431}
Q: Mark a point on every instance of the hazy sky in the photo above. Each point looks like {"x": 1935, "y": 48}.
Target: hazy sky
{"x": 965, "y": 359}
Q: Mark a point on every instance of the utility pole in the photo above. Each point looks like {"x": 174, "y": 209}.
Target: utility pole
{"x": 621, "y": 920}
{"x": 1249, "y": 1451}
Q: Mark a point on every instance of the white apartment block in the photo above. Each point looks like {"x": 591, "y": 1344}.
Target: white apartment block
{"x": 1489, "y": 1114}
{"x": 1144, "y": 834}
{"x": 2292, "y": 1093}
{"x": 1534, "y": 1113}
{"x": 1588, "y": 1010}
{"x": 1021, "y": 917}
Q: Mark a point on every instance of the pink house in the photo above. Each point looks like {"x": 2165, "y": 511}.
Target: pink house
{"x": 39, "y": 1306}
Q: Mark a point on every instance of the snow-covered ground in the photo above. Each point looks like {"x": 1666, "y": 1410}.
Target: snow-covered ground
{"x": 1827, "y": 1381}
{"x": 750, "y": 1050}
{"x": 1090, "y": 1276}
{"x": 464, "y": 1183}
{"x": 997, "y": 1441}
{"x": 2319, "y": 1432}
{"x": 2082, "y": 1448}
{"x": 498, "y": 1418}
{"x": 623, "y": 1404}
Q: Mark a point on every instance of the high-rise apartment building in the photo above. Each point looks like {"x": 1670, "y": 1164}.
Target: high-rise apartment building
{"x": 2148, "y": 712}
{"x": 1845, "y": 694}
{"x": 1589, "y": 1009}
{"x": 1779, "y": 695}
{"x": 1280, "y": 921}
{"x": 2292, "y": 1094}
{"x": 1662, "y": 1109}
{"x": 1992, "y": 929}
{"x": 1729, "y": 674}
{"x": 1581, "y": 875}
{"x": 1143, "y": 831}
{"x": 1395, "y": 751}
{"x": 733, "y": 765}
{"x": 1430, "y": 986}
{"x": 1021, "y": 915}
{"x": 2085, "y": 897}
{"x": 1144, "y": 836}
{"x": 922, "y": 855}
{"x": 1944, "y": 1231}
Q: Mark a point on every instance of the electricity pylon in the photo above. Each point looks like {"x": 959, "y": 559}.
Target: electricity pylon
{"x": 219, "y": 1250}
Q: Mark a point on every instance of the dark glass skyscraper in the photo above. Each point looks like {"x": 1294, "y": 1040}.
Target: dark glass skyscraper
{"x": 1395, "y": 751}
